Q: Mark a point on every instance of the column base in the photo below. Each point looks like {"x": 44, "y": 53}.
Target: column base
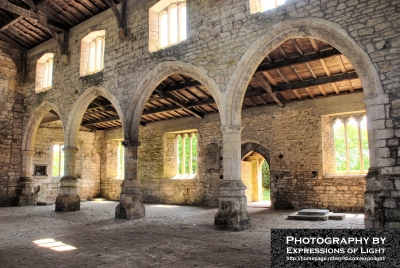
{"x": 232, "y": 213}
{"x": 68, "y": 202}
{"x": 130, "y": 206}
{"x": 26, "y": 193}
{"x": 68, "y": 198}
{"x": 232, "y": 221}
{"x": 129, "y": 209}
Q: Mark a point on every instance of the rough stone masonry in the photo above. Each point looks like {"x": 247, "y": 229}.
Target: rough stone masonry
{"x": 224, "y": 47}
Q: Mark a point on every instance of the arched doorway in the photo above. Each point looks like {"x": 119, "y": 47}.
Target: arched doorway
{"x": 256, "y": 173}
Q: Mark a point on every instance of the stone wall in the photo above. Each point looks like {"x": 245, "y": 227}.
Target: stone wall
{"x": 11, "y": 114}
{"x": 225, "y": 45}
{"x": 294, "y": 132}
{"x": 87, "y": 164}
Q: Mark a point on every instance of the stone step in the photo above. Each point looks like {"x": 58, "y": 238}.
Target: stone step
{"x": 336, "y": 216}
{"x": 316, "y": 212}
{"x": 299, "y": 217}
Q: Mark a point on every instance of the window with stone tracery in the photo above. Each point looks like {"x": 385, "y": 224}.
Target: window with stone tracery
{"x": 44, "y": 73}
{"x": 92, "y": 53}
{"x": 351, "y": 144}
{"x": 167, "y": 24}
{"x": 186, "y": 153}
{"x": 263, "y": 5}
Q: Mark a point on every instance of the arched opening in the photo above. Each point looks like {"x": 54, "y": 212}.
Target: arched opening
{"x": 43, "y": 131}
{"x": 47, "y": 167}
{"x": 92, "y": 148}
{"x": 172, "y": 153}
{"x": 298, "y": 89}
{"x": 256, "y": 174}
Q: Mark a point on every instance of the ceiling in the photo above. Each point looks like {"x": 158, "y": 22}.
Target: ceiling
{"x": 39, "y": 16}
{"x": 297, "y": 70}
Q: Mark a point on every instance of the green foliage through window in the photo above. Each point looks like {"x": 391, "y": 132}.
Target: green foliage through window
{"x": 351, "y": 144}
{"x": 186, "y": 153}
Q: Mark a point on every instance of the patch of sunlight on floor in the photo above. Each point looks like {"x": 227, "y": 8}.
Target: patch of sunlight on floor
{"x": 164, "y": 206}
{"x": 53, "y": 244}
{"x": 360, "y": 216}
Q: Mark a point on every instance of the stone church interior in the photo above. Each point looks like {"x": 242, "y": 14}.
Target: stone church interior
{"x": 201, "y": 103}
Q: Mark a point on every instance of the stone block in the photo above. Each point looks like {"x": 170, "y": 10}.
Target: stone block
{"x": 68, "y": 202}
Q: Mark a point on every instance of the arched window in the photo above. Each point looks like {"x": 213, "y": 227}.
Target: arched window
{"x": 351, "y": 144}
{"x": 186, "y": 153}
{"x": 263, "y": 5}
{"x": 58, "y": 160}
{"x": 168, "y": 25}
{"x": 92, "y": 53}
{"x": 44, "y": 73}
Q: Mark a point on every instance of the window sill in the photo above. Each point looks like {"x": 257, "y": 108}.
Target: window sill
{"x": 346, "y": 175}
{"x": 43, "y": 89}
{"x": 184, "y": 177}
{"x": 91, "y": 73}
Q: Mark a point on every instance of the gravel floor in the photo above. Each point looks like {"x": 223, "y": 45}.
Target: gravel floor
{"x": 169, "y": 236}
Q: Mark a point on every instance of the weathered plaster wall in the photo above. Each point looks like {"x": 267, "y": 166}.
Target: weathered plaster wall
{"x": 11, "y": 114}
{"x": 87, "y": 163}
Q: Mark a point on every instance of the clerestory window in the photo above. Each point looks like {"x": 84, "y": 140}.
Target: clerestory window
{"x": 351, "y": 144}
{"x": 92, "y": 53}
{"x": 263, "y": 5}
{"x": 186, "y": 153}
{"x": 58, "y": 160}
{"x": 167, "y": 24}
{"x": 44, "y": 73}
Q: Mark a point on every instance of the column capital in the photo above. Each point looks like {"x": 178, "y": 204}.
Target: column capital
{"x": 131, "y": 143}
{"x": 231, "y": 129}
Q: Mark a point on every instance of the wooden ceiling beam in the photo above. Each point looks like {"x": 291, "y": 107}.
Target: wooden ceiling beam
{"x": 120, "y": 15}
{"x": 296, "y": 45}
{"x": 184, "y": 106}
{"x": 264, "y": 84}
{"x": 306, "y": 58}
{"x": 97, "y": 121}
{"x": 4, "y": 4}
{"x": 315, "y": 82}
{"x": 314, "y": 44}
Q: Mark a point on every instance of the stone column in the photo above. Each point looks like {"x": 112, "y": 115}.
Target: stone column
{"x": 26, "y": 195}
{"x": 232, "y": 211}
{"x": 130, "y": 205}
{"x": 68, "y": 198}
{"x": 382, "y": 196}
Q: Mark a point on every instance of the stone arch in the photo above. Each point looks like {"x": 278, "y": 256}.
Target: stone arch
{"x": 154, "y": 78}
{"x": 324, "y": 30}
{"x": 249, "y": 147}
{"x": 79, "y": 108}
{"x": 28, "y": 140}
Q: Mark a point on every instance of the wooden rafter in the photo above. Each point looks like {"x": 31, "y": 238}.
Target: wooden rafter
{"x": 306, "y": 58}
{"x": 315, "y": 82}
{"x": 264, "y": 84}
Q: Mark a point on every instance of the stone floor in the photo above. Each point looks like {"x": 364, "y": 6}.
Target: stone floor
{"x": 169, "y": 236}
